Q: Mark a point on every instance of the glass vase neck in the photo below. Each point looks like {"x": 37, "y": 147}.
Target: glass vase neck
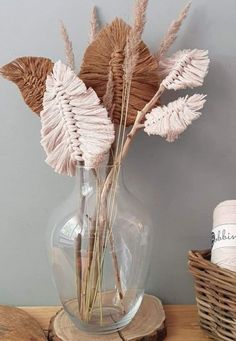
{"x": 101, "y": 173}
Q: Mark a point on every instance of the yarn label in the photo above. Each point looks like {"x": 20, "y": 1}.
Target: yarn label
{"x": 223, "y": 236}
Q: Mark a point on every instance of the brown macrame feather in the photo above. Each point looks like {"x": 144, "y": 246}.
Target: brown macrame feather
{"x": 107, "y": 51}
{"x": 29, "y": 74}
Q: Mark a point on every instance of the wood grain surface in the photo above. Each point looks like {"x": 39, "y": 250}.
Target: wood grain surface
{"x": 181, "y": 321}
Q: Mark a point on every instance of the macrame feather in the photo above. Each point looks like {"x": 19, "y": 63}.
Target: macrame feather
{"x": 171, "y": 120}
{"x": 184, "y": 69}
{"x": 107, "y": 51}
{"x": 29, "y": 74}
{"x": 75, "y": 127}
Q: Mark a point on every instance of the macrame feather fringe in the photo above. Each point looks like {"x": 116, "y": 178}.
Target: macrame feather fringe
{"x": 75, "y": 127}
{"x": 107, "y": 52}
{"x": 184, "y": 69}
{"x": 29, "y": 74}
{"x": 172, "y": 120}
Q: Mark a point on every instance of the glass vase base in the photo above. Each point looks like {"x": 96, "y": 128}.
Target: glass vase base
{"x": 148, "y": 324}
{"x": 104, "y": 320}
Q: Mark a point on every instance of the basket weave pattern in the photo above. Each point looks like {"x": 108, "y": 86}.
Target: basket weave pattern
{"x": 215, "y": 296}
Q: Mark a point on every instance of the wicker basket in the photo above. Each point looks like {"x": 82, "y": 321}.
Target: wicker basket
{"x": 215, "y": 296}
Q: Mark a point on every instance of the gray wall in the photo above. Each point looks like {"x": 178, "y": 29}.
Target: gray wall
{"x": 180, "y": 183}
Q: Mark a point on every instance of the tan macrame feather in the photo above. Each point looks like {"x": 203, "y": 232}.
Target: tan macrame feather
{"x": 75, "y": 126}
{"x": 29, "y": 74}
{"x": 107, "y": 51}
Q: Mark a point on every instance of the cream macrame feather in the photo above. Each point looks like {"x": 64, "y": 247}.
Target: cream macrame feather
{"x": 186, "y": 68}
{"x": 171, "y": 120}
{"x": 75, "y": 126}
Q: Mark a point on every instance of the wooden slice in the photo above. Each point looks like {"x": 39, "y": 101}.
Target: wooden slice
{"x": 17, "y": 325}
{"x": 147, "y": 325}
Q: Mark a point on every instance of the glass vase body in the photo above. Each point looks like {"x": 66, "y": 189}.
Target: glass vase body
{"x": 100, "y": 249}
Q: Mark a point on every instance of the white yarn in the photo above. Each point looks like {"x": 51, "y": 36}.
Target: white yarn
{"x": 224, "y": 228}
{"x": 225, "y": 257}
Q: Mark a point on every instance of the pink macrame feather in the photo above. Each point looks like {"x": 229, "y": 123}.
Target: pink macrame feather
{"x": 186, "y": 68}
{"x": 172, "y": 120}
{"x": 75, "y": 126}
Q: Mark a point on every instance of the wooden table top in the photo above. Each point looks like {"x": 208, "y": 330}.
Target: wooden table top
{"x": 182, "y": 321}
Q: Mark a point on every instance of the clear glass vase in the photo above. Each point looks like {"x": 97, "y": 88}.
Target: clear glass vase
{"x": 101, "y": 246}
